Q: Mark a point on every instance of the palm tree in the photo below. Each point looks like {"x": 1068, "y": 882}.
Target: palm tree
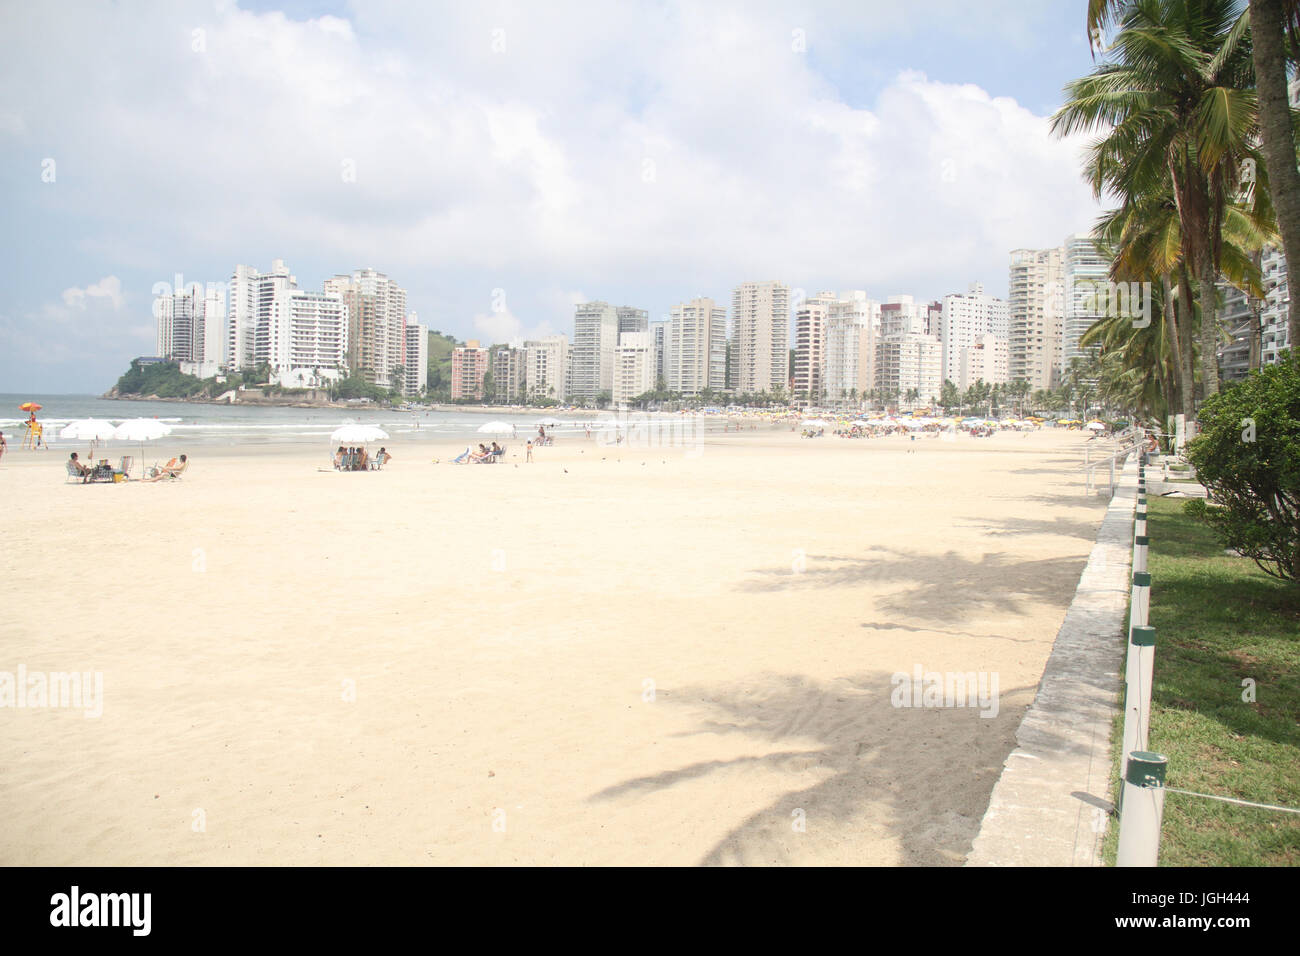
{"x": 1274, "y": 26}
{"x": 1178, "y": 102}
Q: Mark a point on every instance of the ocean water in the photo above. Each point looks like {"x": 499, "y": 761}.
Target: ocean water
{"x": 209, "y": 425}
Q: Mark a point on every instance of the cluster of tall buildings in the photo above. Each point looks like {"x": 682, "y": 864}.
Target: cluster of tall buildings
{"x": 831, "y": 347}
{"x": 356, "y": 325}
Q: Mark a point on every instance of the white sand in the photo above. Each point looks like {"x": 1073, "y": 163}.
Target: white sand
{"x": 227, "y": 611}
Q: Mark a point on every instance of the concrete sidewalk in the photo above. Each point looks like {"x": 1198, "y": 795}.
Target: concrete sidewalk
{"x": 1048, "y": 807}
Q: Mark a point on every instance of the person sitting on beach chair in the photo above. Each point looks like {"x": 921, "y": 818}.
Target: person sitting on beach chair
{"x": 497, "y": 452}
{"x": 481, "y": 456}
{"x": 173, "y": 469}
{"x": 77, "y": 470}
{"x": 363, "y": 460}
{"x": 382, "y": 457}
{"x": 340, "y": 459}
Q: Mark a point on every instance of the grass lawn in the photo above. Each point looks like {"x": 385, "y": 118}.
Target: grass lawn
{"x": 1219, "y": 621}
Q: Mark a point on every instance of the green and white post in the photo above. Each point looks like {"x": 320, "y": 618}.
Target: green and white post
{"x": 1143, "y": 809}
{"x": 1139, "y": 672}
{"x": 1140, "y": 599}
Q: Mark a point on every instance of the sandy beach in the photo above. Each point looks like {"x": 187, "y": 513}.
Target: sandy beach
{"x": 612, "y": 655}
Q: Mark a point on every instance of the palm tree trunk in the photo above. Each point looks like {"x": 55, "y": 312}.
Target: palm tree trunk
{"x": 1278, "y": 139}
{"x": 1187, "y": 318}
{"x": 1209, "y": 331}
{"x": 1175, "y": 349}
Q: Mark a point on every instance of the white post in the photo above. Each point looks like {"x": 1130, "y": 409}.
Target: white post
{"x": 1138, "y": 671}
{"x": 1143, "y": 809}
{"x": 1140, "y": 599}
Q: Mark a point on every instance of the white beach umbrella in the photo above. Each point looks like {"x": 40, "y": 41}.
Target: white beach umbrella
{"x": 88, "y": 429}
{"x": 496, "y": 428}
{"x": 354, "y": 434}
{"x": 1096, "y": 426}
{"x": 141, "y": 430}
{"x": 93, "y": 430}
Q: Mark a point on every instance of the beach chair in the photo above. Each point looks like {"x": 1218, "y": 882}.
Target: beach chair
{"x": 73, "y": 474}
{"x": 462, "y": 458}
{"x": 127, "y": 462}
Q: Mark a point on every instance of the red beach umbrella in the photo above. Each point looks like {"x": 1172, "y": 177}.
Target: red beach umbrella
{"x": 29, "y": 407}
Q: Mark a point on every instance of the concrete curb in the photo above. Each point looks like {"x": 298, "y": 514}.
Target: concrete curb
{"x": 1047, "y": 808}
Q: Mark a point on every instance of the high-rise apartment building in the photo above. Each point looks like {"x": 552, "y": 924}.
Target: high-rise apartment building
{"x": 810, "y": 346}
{"x": 1084, "y": 272}
{"x": 191, "y": 329}
{"x": 634, "y": 365}
{"x": 595, "y": 336}
{"x": 967, "y": 317}
{"x": 659, "y": 335}
{"x": 508, "y": 377}
{"x": 546, "y": 365}
{"x": 1035, "y": 315}
{"x": 415, "y": 360}
{"x": 852, "y": 327}
{"x": 469, "y": 366}
{"x": 376, "y": 324}
{"x": 696, "y": 349}
{"x": 908, "y": 361}
{"x": 249, "y": 306}
{"x": 760, "y": 320}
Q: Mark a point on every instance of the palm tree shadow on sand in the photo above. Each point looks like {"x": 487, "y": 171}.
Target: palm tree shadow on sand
{"x": 943, "y": 587}
{"x": 874, "y": 782}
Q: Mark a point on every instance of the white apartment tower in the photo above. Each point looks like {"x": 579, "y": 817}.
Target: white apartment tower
{"x": 696, "y": 347}
{"x": 909, "y": 360}
{"x": 595, "y": 336}
{"x": 634, "y": 366}
{"x": 968, "y": 317}
{"x": 1035, "y": 313}
{"x": 852, "y": 324}
{"x": 760, "y": 319}
{"x": 546, "y": 367}
{"x": 416, "y": 359}
{"x": 252, "y": 295}
{"x": 1083, "y": 267}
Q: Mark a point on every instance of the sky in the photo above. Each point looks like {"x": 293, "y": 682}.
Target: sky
{"x": 503, "y": 161}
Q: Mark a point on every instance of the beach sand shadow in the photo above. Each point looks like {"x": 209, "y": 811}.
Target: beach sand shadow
{"x": 918, "y": 779}
{"x": 944, "y": 587}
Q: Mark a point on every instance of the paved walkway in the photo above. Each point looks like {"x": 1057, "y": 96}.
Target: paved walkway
{"x": 1048, "y": 806}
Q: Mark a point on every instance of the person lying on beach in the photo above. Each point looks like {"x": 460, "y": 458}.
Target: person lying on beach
{"x": 173, "y": 469}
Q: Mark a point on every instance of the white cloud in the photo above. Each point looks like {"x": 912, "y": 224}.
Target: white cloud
{"x": 681, "y": 146}
{"x": 109, "y": 287}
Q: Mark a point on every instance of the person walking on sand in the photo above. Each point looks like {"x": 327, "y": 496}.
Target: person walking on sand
{"x": 529, "y": 456}
{"x": 4, "y": 445}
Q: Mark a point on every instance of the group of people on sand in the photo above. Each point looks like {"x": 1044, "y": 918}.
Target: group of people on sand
{"x": 484, "y": 455}
{"x": 174, "y": 468}
{"x": 358, "y": 459}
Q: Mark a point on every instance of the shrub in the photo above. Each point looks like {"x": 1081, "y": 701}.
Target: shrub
{"x": 1248, "y": 457}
